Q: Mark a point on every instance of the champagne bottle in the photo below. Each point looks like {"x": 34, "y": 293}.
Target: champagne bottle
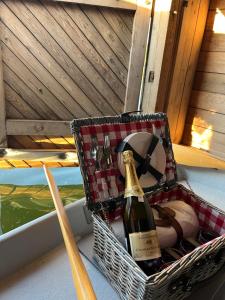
{"x": 139, "y": 225}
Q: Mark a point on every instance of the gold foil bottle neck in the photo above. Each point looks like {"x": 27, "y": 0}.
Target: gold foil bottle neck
{"x": 132, "y": 184}
{"x": 128, "y": 156}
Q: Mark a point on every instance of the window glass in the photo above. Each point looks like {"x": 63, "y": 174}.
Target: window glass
{"x": 25, "y": 196}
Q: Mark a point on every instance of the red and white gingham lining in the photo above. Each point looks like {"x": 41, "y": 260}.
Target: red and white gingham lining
{"x": 208, "y": 216}
{"x": 117, "y": 132}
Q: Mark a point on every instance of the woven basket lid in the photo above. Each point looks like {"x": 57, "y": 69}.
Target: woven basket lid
{"x": 120, "y": 128}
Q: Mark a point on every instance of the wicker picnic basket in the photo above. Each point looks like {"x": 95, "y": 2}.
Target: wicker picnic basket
{"x": 178, "y": 279}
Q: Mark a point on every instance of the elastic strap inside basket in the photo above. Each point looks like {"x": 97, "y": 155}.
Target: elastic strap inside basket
{"x": 167, "y": 216}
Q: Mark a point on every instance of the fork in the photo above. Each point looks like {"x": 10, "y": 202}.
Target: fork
{"x": 94, "y": 152}
{"x": 107, "y": 156}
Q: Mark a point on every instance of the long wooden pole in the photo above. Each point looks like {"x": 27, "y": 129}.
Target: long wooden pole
{"x": 81, "y": 280}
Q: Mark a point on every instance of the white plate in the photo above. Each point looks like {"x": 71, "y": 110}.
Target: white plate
{"x": 140, "y": 142}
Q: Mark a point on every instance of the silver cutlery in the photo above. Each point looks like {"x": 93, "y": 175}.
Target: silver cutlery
{"x": 108, "y": 162}
{"x": 102, "y": 157}
{"x": 94, "y": 152}
{"x": 107, "y": 156}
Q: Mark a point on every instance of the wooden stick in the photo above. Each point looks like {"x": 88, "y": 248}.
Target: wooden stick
{"x": 81, "y": 280}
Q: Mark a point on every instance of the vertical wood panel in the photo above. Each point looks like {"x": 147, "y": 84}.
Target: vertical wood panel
{"x": 213, "y": 41}
{"x": 73, "y": 61}
{"x": 205, "y": 118}
{"x": 127, "y": 18}
{"x": 210, "y": 82}
{"x": 26, "y": 91}
{"x": 124, "y": 4}
{"x": 3, "y": 138}
{"x": 108, "y": 34}
{"x": 13, "y": 112}
{"x": 169, "y": 57}
{"x": 17, "y": 101}
{"x": 187, "y": 56}
{"x": 156, "y": 52}
{"x": 34, "y": 84}
{"x": 63, "y": 60}
{"x": 118, "y": 26}
{"x": 212, "y": 62}
{"x": 55, "y": 78}
{"x": 216, "y": 142}
{"x": 142, "y": 20}
{"x": 55, "y": 42}
{"x": 206, "y": 114}
{"x": 217, "y": 4}
{"x": 96, "y": 39}
{"x": 89, "y": 61}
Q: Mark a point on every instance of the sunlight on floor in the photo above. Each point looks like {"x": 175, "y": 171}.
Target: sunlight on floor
{"x": 219, "y": 22}
{"x": 202, "y": 136}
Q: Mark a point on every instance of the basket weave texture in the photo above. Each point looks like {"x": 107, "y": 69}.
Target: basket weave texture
{"x": 177, "y": 280}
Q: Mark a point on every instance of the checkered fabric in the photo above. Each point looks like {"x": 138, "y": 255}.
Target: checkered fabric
{"x": 117, "y": 132}
{"x": 209, "y": 216}
{"x": 115, "y": 262}
{"x": 109, "y": 179}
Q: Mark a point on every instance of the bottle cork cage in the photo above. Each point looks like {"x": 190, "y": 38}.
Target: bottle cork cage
{"x": 177, "y": 280}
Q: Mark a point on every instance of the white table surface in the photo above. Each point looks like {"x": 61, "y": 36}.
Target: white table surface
{"x": 49, "y": 277}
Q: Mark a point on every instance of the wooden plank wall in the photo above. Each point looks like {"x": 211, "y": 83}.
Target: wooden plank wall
{"x": 161, "y": 40}
{"x": 189, "y": 45}
{"x": 206, "y": 114}
{"x": 62, "y": 61}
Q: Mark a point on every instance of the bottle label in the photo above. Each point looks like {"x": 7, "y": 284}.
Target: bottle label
{"x": 144, "y": 245}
